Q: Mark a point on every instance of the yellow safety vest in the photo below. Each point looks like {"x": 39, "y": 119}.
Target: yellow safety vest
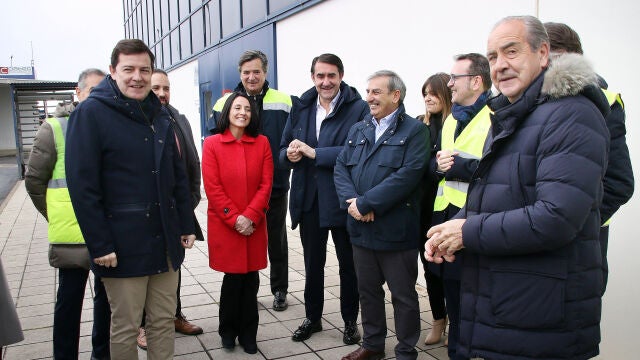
{"x": 612, "y": 98}
{"x": 63, "y": 225}
{"x": 273, "y": 100}
{"x": 468, "y": 145}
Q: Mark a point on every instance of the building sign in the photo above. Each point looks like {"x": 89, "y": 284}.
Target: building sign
{"x": 17, "y": 72}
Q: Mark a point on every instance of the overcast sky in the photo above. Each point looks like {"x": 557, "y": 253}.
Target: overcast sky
{"x": 68, "y": 36}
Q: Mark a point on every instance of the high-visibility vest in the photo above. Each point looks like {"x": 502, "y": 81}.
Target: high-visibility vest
{"x": 63, "y": 225}
{"x": 273, "y": 100}
{"x": 468, "y": 145}
{"x": 612, "y": 98}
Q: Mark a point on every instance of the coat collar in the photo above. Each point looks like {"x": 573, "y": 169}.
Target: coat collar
{"x": 227, "y": 137}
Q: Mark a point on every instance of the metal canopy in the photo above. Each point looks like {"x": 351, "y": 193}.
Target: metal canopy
{"x": 33, "y": 101}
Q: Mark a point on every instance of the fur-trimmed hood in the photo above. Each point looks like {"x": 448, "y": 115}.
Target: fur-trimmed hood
{"x": 568, "y": 75}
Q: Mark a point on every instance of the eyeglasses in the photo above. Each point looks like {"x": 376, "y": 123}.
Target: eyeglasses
{"x": 455, "y": 77}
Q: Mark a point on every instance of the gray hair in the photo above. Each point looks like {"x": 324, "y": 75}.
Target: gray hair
{"x": 250, "y": 55}
{"x": 63, "y": 109}
{"x": 536, "y": 33}
{"x": 395, "y": 82}
{"x": 83, "y": 76}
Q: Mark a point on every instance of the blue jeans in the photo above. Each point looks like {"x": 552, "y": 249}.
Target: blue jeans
{"x": 68, "y": 310}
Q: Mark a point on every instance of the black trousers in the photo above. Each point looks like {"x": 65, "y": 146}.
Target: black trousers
{"x": 239, "y": 307}
{"x": 399, "y": 269}
{"x": 68, "y": 309}
{"x": 314, "y": 245}
{"x": 435, "y": 288}
{"x": 278, "y": 247}
{"x": 452, "y": 294}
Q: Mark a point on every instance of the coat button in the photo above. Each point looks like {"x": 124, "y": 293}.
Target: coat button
{"x": 160, "y": 141}
{"x": 146, "y": 139}
{"x": 226, "y": 210}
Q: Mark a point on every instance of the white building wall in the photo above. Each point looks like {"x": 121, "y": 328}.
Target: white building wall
{"x": 185, "y": 97}
{"x": 419, "y": 38}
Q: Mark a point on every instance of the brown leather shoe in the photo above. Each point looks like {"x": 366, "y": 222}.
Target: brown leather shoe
{"x": 364, "y": 354}
{"x": 142, "y": 339}
{"x": 183, "y": 326}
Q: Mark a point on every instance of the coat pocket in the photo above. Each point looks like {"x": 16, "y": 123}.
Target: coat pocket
{"x": 355, "y": 150}
{"x": 529, "y": 299}
{"x": 391, "y": 154}
{"x": 131, "y": 229}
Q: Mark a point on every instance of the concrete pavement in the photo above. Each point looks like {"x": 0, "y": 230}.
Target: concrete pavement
{"x": 23, "y": 247}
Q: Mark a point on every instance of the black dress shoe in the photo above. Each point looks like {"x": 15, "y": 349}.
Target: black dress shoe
{"x": 249, "y": 348}
{"x": 306, "y": 329}
{"x": 280, "y": 301}
{"x": 351, "y": 334}
{"x": 228, "y": 342}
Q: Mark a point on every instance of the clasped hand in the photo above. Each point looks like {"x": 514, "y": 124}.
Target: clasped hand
{"x": 355, "y": 213}
{"x": 297, "y": 149}
{"x": 444, "y": 240}
{"x": 244, "y": 226}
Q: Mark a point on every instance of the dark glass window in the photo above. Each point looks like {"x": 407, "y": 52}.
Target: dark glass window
{"x": 185, "y": 39}
{"x": 213, "y": 22}
{"x": 173, "y": 13}
{"x": 159, "y": 59}
{"x": 253, "y": 11}
{"x": 175, "y": 46}
{"x": 165, "y": 17}
{"x": 141, "y": 29}
{"x": 230, "y": 16}
{"x": 184, "y": 8}
{"x": 143, "y": 22}
{"x": 166, "y": 52}
{"x": 278, "y": 5}
{"x": 157, "y": 20}
{"x": 134, "y": 25}
{"x": 197, "y": 31}
{"x": 195, "y": 4}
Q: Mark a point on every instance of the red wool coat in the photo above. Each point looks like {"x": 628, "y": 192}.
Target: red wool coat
{"x": 237, "y": 176}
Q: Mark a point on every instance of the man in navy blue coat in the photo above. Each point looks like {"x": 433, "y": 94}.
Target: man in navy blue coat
{"x": 130, "y": 193}
{"x": 313, "y": 136}
{"x": 377, "y": 177}
{"x": 531, "y": 278}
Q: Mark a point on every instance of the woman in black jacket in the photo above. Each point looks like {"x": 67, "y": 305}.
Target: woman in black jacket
{"x": 437, "y": 99}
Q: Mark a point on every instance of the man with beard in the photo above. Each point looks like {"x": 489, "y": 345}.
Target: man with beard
{"x": 314, "y": 135}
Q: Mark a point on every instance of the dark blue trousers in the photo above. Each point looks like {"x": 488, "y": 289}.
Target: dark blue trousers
{"x": 67, "y": 316}
{"x": 314, "y": 245}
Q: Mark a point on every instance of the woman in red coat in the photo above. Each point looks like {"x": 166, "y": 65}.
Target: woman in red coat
{"x": 237, "y": 169}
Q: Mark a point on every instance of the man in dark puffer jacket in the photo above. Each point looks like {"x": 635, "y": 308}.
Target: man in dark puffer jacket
{"x": 531, "y": 278}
